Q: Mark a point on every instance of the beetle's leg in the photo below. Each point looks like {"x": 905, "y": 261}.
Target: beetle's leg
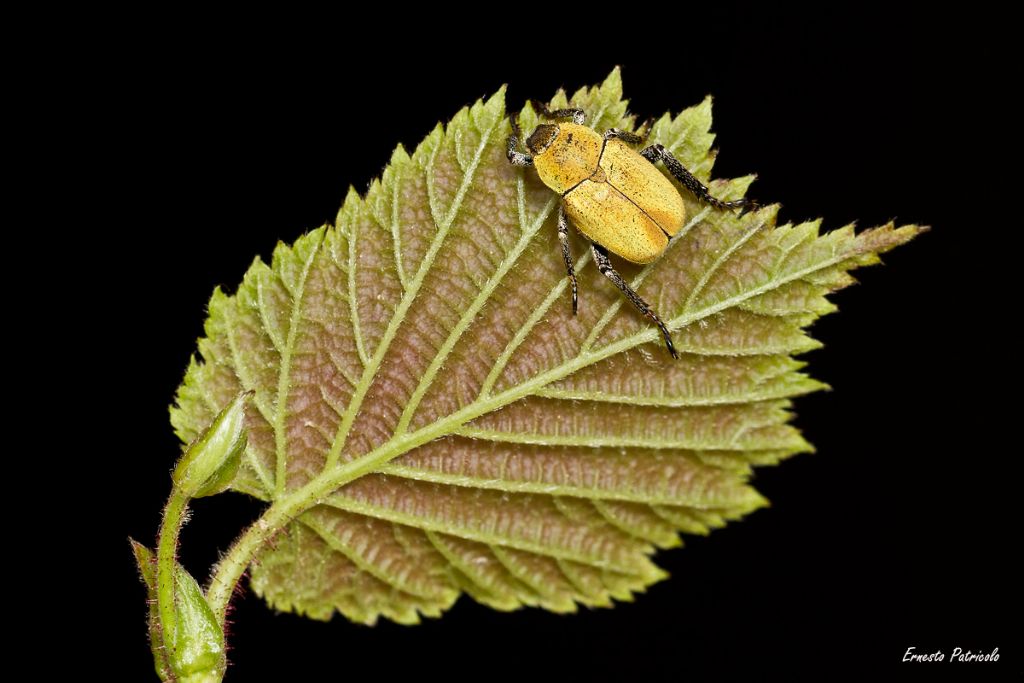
{"x": 645, "y": 129}
{"x": 637, "y": 138}
{"x": 516, "y": 157}
{"x": 605, "y": 266}
{"x": 624, "y": 135}
{"x": 577, "y": 115}
{"x": 656, "y": 152}
{"x": 563, "y": 238}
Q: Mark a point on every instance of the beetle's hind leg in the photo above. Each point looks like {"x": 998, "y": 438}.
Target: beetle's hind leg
{"x": 515, "y": 157}
{"x": 605, "y": 266}
{"x": 563, "y": 238}
{"x": 577, "y": 115}
{"x": 656, "y": 152}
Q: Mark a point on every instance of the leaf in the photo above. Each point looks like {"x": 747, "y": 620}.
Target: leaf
{"x": 421, "y": 382}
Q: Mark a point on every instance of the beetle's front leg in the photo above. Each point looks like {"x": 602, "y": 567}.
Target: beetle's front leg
{"x": 656, "y": 152}
{"x": 605, "y": 266}
{"x": 577, "y": 115}
{"x": 515, "y": 157}
{"x": 563, "y": 238}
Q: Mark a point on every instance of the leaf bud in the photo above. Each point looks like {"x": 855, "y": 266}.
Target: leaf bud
{"x": 211, "y": 461}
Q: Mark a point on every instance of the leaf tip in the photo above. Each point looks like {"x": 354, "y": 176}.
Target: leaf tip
{"x": 883, "y": 238}
{"x": 145, "y": 560}
{"x": 400, "y": 155}
{"x": 495, "y": 104}
{"x": 142, "y": 553}
{"x": 756, "y": 501}
{"x": 351, "y": 198}
{"x": 613, "y": 84}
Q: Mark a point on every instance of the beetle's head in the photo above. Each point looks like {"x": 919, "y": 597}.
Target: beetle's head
{"x": 542, "y": 137}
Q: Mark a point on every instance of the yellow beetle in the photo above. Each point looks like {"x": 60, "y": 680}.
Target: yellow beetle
{"x": 613, "y": 194}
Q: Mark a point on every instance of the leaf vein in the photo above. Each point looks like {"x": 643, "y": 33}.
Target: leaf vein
{"x": 284, "y": 376}
{"x": 718, "y": 263}
{"x": 338, "y": 546}
{"x": 524, "y": 486}
{"x": 467, "y": 318}
{"x": 271, "y": 329}
{"x": 396, "y": 234}
{"x": 479, "y": 536}
{"x": 410, "y": 294}
{"x": 353, "y": 301}
{"x": 248, "y": 384}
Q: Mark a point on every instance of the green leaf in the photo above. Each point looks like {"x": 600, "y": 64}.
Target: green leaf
{"x": 421, "y": 384}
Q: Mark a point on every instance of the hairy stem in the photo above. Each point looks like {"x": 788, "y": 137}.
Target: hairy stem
{"x": 231, "y": 567}
{"x": 166, "y": 560}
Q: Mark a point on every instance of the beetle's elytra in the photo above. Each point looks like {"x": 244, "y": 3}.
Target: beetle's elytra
{"x": 615, "y": 196}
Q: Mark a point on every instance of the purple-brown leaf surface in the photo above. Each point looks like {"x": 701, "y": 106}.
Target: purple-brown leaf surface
{"x": 418, "y": 373}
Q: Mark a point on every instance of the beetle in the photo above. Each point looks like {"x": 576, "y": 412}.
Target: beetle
{"x": 615, "y": 196}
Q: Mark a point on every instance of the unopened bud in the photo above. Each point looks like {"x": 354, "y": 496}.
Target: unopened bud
{"x": 211, "y": 461}
{"x": 193, "y": 651}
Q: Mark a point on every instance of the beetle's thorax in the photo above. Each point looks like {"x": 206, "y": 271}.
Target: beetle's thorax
{"x": 541, "y": 138}
{"x": 572, "y": 154}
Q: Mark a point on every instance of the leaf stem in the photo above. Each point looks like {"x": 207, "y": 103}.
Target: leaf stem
{"x": 166, "y": 561}
{"x": 231, "y": 567}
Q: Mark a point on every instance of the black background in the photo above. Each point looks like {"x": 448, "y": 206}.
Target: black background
{"x": 895, "y": 534}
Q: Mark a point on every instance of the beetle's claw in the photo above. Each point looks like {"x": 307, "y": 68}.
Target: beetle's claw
{"x": 748, "y": 206}
{"x": 645, "y": 129}
{"x": 513, "y": 120}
